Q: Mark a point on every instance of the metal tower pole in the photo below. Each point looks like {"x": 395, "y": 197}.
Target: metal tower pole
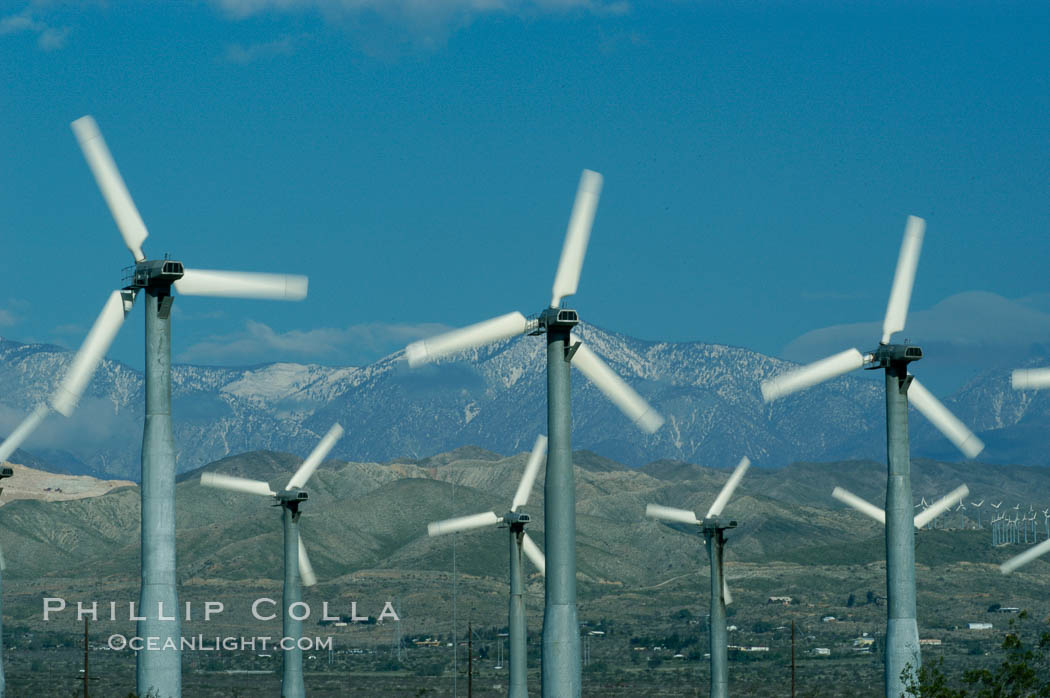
{"x": 715, "y": 536}
{"x": 292, "y": 629}
{"x": 561, "y": 668}
{"x": 516, "y": 627}
{"x": 902, "y": 630}
{"x": 3, "y": 680}
{"x": 158, "y": 669}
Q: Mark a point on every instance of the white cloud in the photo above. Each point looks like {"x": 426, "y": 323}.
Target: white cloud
{"x": 48, "y": 38}
{"x": 960, "y": 336}
{"x": 250, "y": 53}
{"x": 352, "y": 345}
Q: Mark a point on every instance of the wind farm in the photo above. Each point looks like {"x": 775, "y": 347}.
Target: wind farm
{"x": 703, "y": 511}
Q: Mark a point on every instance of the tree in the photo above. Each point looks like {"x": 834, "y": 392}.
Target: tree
{"x": 851, "y": 601}
{"x": 1024, "y": 671}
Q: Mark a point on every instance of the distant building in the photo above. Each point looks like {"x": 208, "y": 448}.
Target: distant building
{"x": 823, "y": 651}
{"x": 828, "y": 619}
{"x": 786, "y": 600}
{"x": 979, "y": 626}
{"x": 755, "y": 648}
{"x": 930, "y": 642}
{"x": 864, "y": 641}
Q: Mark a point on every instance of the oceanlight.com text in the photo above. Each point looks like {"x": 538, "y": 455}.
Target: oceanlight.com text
{"x": 200, "y": 643}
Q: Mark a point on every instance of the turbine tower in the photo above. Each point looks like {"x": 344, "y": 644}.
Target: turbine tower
{"x": 158, "y": 670}
{"x": 296, "y": 562}
{"x": 978, "y": 506}
{"x": 5, "y": 472}
{"x": 514, "y": 521}
{"x": 714, "y": 530}
{"x": 561, "y": 659}
{"x": 902, "y": 634}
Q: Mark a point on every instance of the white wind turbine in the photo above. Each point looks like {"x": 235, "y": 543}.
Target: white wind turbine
{"x": 158, "y": 671}
{"x": 902, "y": 633}
{"x": 713, "y": 529}
{"x": 561, "y": 669}
{"x": 296, "y": 562}
{"x": 520, "y": 542}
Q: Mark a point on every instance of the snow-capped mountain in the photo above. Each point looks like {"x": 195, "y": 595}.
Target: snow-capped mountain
{"x": 494, "y": 398}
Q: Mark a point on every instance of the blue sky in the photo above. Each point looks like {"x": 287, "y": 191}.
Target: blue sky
{"x": 418, "y": 161}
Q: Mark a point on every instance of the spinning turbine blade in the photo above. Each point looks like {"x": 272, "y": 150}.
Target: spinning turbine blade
{"x": 532, "y": 469}
{"x": 658, "y": 511}
{"x": 3, "y": 561}
{"x": 15, "y": 439}
{"x": 726, "y": 595}
{"x": 1030, "y": 378}
{"x": 615, "y": 388}
{"x": 728, "y": 489}
{"x": 95, "y": 345}
{"x": 931, "y": 408}
{"x": 811, "y": 374}
{"x": 940, "y": 506}
{"x": 462, "y": 523}
{"x": 903, "y": 278}
{"x": 533, "y": 552}
{"x": 316, "y": 456}
{"x": 476, "y": 335}
{"x": 242, "y": 284}
{"x": 864, "y": 507}
{"x": 236, "y": 484}
{"x": 132, "y": 229}
{"x": 579, "y": 232}
{"x": 306, "y": 570}
{"x": 1025, "y": 557}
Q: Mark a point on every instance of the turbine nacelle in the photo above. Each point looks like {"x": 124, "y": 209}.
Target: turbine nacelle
{"x": 293, "y": 495}
{"x": 713, "y": 523}
{"x": 154, "y": 273}
{"x": 888, "y": 354}
{"x": 516, "y": 519}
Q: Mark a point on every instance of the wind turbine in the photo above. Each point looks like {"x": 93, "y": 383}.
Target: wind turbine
{"x": 978, "y": 506}
{"x": 514, "y": 521}
{"x": 902, "y": 634}
{"x": 158, "y": 670}
{"x": 296, "y": 562}
{"x": 561, "y": 659}
{"x": 713, "y": 529}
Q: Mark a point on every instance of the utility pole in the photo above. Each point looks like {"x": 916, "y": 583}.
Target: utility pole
{"x": 85, "y": 657}
{"x": 470, "y": 661}
{"x": 792, "y": 658}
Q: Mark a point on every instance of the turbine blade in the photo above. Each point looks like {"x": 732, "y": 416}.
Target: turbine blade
{"x": 476, "y": 335}
{"x": 242, "y": 284}
{"x": 16, "y": 437}
{"x": 108, "y": 178}
{"x": 940, "y": 506}
{"x": 957, "y": 432}
{"x": 1025, "y": 557}
{"x": 658, "y": 511}
{"x": 532, "y": 469}
{"x": 728, "y": 488}
{"x": 1030, "y": 378}
{"x": 534, "y": 553}
{"x": 726, "y": 595}
{"x": 903, "y": 278}
{"x": 236, "y": 484}
{"x": 3, "y": 560}
{"x": 615, "y": 388}
{"x": 462, "y": 523}
{"x": 316, "y": 457}
{"x": 306, "y": 570}
{"x": 576, "y": 236}
{"x": 811, "y": 374}
{"x": 864, "y": 507}
{"x": 90, "y": 354}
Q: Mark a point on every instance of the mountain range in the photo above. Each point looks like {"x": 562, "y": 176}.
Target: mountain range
{"x": 493, "y": 397}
